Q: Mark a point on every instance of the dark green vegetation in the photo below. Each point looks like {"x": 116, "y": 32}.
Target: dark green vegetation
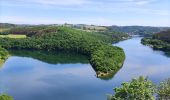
{"x": 5, "y": 97}
{"x": 5, "y": 27}
{"x": 137, "y": 30}
{"x": 112, "y": 36}
{"x": 3, "y": 54}
{"x": 104, "y": 57}
{"x": 100, "y": 58}
{"x": 164, "y": 36}
{"x": 159, "y": 41}
{"x": 142, "y": 89}
{"x": 115, "y": 36}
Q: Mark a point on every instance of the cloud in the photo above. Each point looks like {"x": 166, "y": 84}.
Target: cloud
{"x": 137, "y": 2}
{"x": 106, "y": 12}
{"x": 50, "y": 2}
{"x": 82, "y": 20}
{"x": 77, "y": 2}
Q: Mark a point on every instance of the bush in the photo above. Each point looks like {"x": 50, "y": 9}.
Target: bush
{"x": 137, "y": 89}
{"x": 3, "y": 54}
{"x": 163, "y": 90}
{"x": 5, "y": 97}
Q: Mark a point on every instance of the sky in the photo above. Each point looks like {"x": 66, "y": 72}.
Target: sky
{"x": 96, "y": 12}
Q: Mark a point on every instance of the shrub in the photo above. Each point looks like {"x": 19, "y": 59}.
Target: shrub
{"x": 137, "y": 89}
{"x": 163, "y": 90}
{"x": 5, "y": 97}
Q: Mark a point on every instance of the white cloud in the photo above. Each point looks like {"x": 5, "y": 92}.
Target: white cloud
{"x": 51, "y": 2}
{"x": 85, "y": 20}
{"x": 137, "y": 2}
{"x": 106, "y": 12}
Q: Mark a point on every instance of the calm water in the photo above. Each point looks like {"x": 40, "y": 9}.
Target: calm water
{"x": 32, "y": 76}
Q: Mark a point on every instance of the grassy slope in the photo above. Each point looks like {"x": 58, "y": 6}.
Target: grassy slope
{"x": 13, "y": 36}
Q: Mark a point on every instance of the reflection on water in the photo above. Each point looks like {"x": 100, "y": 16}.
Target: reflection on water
{"x": 38, "y": 76}
{"x": 57, "y": 57}
{"x": 167, "y": 54}
{"x": 1, "y": 63}
{"x": 143, "y": 60}
{"x": 52, "y": 57}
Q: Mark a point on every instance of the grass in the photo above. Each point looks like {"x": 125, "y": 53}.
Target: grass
{"x": 3, "y": 29}
{"x": 13, "y": 36}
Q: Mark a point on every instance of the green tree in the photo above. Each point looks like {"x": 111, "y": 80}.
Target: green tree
{"x": 163, "y": 90}
{"x": 5, "y": 97}
{"x": 137, "y": 89}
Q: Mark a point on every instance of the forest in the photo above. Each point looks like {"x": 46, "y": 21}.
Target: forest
{"x": 138, "y": 30}
{"x": 104, "y": 57}
{"x": 159, "y": 41}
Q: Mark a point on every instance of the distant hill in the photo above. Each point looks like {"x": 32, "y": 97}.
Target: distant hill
{"x": 159, "y": 41}
{"x": 7, "y": 25}
{"x": 138, "y": 30}
{"x": 163, "y": 35}
{"x": 131, "y": 30}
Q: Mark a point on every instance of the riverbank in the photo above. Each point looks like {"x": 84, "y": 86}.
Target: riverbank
{"x": 156, "y": 44}
{"x": 159, "y": 41}
{"x": 3, "y": 54}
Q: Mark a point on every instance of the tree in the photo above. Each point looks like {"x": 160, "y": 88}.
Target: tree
{"x": 163, "y": 90}
{"x": 5, "y": 97}
{"x": 137, "y": 89}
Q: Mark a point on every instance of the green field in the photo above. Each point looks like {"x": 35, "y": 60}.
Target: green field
{"x": 3, "y": 29}
{"x": 13, "y": 36}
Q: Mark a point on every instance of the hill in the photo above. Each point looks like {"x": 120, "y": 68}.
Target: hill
{"x": 159, "y": 41}
{"x": 137, "y": 30}
{"x": 164, "y": 36}
{"x": 104, "y": 57}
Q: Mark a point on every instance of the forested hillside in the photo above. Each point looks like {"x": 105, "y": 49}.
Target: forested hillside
{"x": 138, "y": 30}
{"x": 112, "y": 36}
{"x": 102, "y": 55}
{"x": 160, "y": 41}
{"x": 7, "y": 25}
{"x": 164, "y": 36}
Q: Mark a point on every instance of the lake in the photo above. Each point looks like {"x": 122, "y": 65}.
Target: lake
{"x": 36, "y": 75}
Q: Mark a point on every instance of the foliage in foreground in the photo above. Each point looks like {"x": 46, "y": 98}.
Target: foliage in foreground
{"x": 142, "y": 89}
{"x": 163, "y": 90}
{"x": 5, "y": 97}
{"x": 137, "y": 89}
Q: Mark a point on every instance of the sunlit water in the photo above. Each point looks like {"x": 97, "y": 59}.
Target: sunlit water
{"x": 26, "y": 78}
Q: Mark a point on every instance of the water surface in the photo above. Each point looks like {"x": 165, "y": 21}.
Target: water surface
{"x": 27, "y": 76}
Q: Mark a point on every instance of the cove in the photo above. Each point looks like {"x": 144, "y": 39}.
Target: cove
{"x": 27, "y": 76}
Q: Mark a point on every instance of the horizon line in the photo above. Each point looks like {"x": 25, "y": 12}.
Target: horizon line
{"x": 81, "y": 24}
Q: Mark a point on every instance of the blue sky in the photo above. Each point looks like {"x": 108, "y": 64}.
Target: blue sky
{"x": 98, "y": 12}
